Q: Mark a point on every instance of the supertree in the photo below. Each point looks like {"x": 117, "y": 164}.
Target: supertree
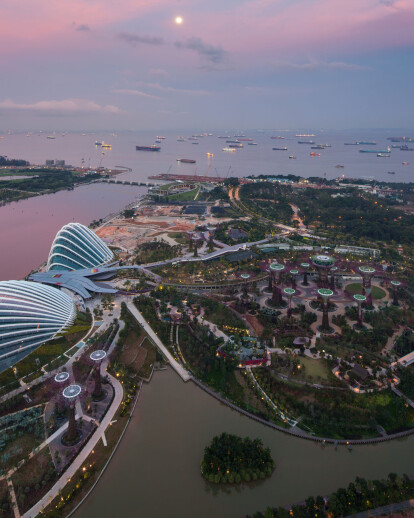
{"x": 305, "y": 267}
{"x": 71, "y": 393}
{"x": 276, "y": 272}
{"x": 61, "y": 379}
{"x": 332, "y": 280}
{"x": 293, "y": 274}
{"x": 289, "y": 292}
{"x": 360, "y": 299}
{"x": 211, "y": 231}
{"x": 367, "y": 273}
{"x": 325, "y": 294}
{"x": 245, "y": 295}
{"x": 323, "y": 264}
{"x": 97, "y": 357}
{"x": 395, "y": 285}
{"x": 196, "y": 242}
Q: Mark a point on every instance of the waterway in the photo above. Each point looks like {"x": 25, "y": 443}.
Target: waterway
{"x": 28, "y": 227}
{"x": 156, "y": 470}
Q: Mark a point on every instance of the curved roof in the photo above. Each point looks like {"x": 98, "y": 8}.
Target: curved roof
{"x": 76, "y": 247}
{"x": 30, "y": 314}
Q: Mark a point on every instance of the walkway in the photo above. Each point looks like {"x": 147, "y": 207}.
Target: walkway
{"x": 154, "y": 338}
{"x": 84, "y": 453}
{"x": 26, "y": 386}
{"x": 386, "y": 510}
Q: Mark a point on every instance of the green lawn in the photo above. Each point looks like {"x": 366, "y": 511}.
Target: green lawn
{"x": 185, "y": 196}
{"x": 355, "y": 287}
{"x": 314, "y": 368}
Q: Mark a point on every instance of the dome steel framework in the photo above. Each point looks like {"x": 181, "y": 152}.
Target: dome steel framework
{"x": 76, "y": 247}
{"x": 30, "y": 314}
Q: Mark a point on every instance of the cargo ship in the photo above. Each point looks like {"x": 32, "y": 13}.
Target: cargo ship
{"x": 318, "y": 146}
{"x": 284, "y": 148}
{"x": 278, "y": 137}
{"x": 366, "y": 143}
{"x": 252, "y": 143}
{"x": 232, "y": 149}
{"x": 388, "y": 150}
{"x": 148, "y": 148}
{"x": 238, "y": 145}
{"x": 305, "y": 135}
{"x": 186, "y": 160}
{"x": 314, "y": 154}
{"x": 306, "y": 142}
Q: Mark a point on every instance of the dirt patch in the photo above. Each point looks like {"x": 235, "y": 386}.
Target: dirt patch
{"x": 256, "y": 325}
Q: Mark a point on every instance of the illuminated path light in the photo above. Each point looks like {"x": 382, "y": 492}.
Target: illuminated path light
{"x": 367, "y": 273}
{"x": 395, "y": 285}
{"x": 97, "y": 357}
{"x": 71, "y": 393}
{"x": 323, "y": 264}
{"x": 360, "y": 299}
{"x": 276, "y": 272}
{"x": 326, "y": 295}
{"x": 289, "y": 292}
{"x": 305, "y": 267}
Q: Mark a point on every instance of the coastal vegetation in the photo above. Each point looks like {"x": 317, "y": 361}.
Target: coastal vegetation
{"x": 42, "y": 181}
{"x": 360, "y": 495}
{"x": 232, "y": 459}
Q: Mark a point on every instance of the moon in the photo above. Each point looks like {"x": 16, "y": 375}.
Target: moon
{"x": 178, "y": 20}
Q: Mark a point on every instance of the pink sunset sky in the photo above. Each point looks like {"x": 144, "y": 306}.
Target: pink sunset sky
{"x": 103, "y": 64}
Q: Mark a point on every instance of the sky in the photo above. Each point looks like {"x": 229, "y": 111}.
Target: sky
{"x": 128, "y": 65}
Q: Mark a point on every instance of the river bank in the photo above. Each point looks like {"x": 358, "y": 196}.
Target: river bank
{"x": 163, "y": 448}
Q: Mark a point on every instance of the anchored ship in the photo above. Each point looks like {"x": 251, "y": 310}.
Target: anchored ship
{"x": 148, "y": 148}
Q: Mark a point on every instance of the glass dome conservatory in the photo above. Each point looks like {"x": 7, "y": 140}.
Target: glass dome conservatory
{"x": 76, "y": 247}
{"x": 30, "y": 314}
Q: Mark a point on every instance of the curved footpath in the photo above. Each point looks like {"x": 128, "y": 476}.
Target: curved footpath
{"x": 386, "y": 510}
{"x": 89, "y": 446}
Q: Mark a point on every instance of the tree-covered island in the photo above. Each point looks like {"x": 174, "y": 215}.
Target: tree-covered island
{"x": 232, "y": 459}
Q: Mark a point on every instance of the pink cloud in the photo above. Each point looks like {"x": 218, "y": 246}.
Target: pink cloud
{"x": 277, "y": 29}
{"x": 136, "y": 93}
{"x": 77, "y": 106}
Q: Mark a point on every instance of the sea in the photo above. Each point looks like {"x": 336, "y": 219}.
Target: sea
{"x": 28, "y": 227}
{"x": 79, "y": 149}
